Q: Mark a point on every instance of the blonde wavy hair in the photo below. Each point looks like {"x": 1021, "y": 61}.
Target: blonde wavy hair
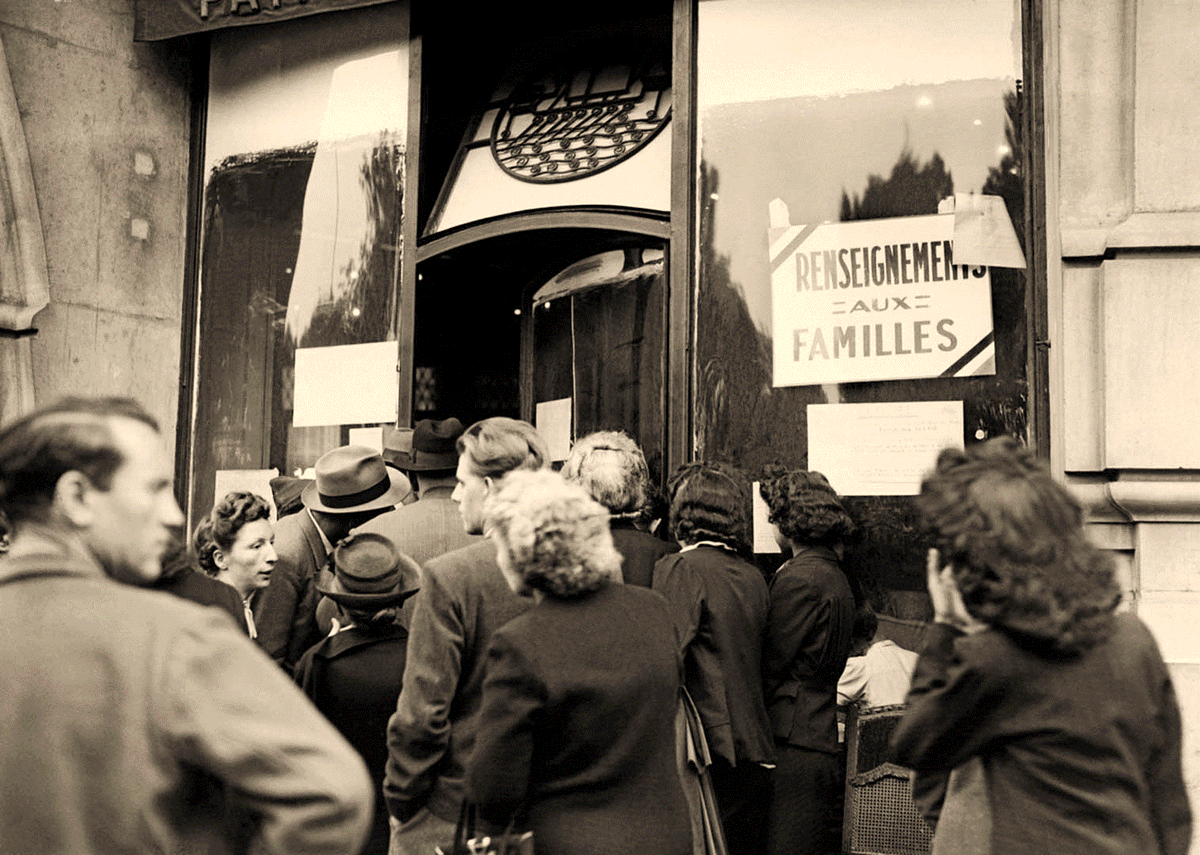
{"x": 553, "y": 534}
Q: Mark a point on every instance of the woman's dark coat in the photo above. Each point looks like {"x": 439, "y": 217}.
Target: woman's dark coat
{"x": 354, "y": 678}
{"x": 578, "y": 726}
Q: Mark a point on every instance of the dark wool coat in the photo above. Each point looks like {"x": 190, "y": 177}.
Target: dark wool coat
{"x": 639, "y": 552}
{"x": 285, "y": 612}
{"x": 1081, "y": 754}
{"x": 808, "y": 641}
{"x": 578, "y": 724}
{"x": 192, "y": 584}
{"x": 354, "y": 678}
{"x": 719, "y": 603}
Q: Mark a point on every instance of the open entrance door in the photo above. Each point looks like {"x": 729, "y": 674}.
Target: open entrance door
{"x": 572, "y": 316}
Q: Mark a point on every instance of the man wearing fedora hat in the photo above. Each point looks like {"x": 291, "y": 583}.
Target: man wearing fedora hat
{"x": 431, "y": 526}
{"x": 463, "y": 599}
{"x": 351, "y": 485}
{"x": 354, "y": 675}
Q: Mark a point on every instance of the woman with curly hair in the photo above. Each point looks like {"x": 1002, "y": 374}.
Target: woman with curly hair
{"x": 1030, "y": 675}
{"x": 577, "y": 724}
{"x": 235, "y": 544}
{"x": 809, "y": 636}
{"x": 719, "y": 602}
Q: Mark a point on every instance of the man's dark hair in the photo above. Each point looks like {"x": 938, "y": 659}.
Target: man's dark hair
{"x": 71, "y": 435}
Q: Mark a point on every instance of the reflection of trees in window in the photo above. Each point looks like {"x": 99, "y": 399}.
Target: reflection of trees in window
{"x": 910, "y": 190}
{"x": 1005, "y": 179}
{"x": 363, "y": 308}
{"x": 733, "y": 355}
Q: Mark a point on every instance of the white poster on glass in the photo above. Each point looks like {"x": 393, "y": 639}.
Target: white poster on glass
{"x": 553, "y": 421}
{"x": 881, "y": 449}
{"x": 348, "y": 384}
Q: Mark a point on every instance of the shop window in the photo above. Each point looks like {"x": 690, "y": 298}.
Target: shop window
{"x": 301, "y": 241}
{"x": 831, "y": 134}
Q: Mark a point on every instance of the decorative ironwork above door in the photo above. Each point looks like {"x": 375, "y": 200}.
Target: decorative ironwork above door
{"x": 558, "y": 127}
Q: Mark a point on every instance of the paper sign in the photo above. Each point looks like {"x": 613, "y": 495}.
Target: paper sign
{"x": 553, "y": 422}
{"x": 371, "y": 437}
{"x": 764, "y": 531}
{"x": 881, "y": 449}
{"x": 257, "y": 481}
{"x": 349, "y": 384}
{"x": 983, "y": 232}
{"x": 877, "y": 300}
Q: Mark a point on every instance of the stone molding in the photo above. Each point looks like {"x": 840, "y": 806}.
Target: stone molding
{"x": 24, "y": 285}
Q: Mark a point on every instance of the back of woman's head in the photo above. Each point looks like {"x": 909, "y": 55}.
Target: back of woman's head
{"x": 553, "y": 534}
{"x": 805, "y": 507}
{"x": 710, "y": 501}
{"x": 1015, "y": 538}
{"x": 612, "y": 468}
{"x": 220, "y": 528}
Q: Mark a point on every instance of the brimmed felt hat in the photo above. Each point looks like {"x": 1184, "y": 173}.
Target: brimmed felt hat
{"x": 434, "y": 444}
{"x": 354, "y": 478}
{"x": 370, "y": 573}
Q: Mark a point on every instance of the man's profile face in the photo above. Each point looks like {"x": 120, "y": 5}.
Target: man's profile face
{"x": 132, "y": 519}
{"x": 470, "y": 493}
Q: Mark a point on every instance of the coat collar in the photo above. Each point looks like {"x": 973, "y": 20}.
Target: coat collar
{"x": 41, "y": 550}
{"x": 352, "y": 639}
{"x": 318, "y": 543}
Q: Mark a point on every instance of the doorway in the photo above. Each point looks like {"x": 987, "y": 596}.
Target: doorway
{"x": 573, "y": 316}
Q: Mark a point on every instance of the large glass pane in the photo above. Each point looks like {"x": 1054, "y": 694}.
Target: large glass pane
{"x": 300, "y": 255}
{"x": 814, "y": 117}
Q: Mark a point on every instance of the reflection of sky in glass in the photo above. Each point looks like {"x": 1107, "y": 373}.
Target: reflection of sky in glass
{"x": 265, "y": 95}
{"x": 805, "y": 100}
{"x": 337, "y": 216}
{"x": 756, "y": 50}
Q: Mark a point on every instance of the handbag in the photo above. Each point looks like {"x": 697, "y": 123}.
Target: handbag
{"x": 468, "y": 842}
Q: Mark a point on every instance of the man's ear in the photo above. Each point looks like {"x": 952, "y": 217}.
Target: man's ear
{"x": 72, "y": 498}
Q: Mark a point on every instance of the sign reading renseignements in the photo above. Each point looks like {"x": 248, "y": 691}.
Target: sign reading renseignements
{"x": 877, "y": 300}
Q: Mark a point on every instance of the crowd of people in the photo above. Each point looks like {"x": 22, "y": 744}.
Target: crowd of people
{"x": 461, "y": 629}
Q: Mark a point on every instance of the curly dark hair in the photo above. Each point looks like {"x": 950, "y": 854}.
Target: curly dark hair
{"x": 710, "y": 501}
{"x": 1015, "y": 539}
{"x": 220, "y": 528}
{"x": 804, "y": 507}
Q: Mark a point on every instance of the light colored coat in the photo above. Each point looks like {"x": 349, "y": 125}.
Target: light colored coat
{"x": 134, "y": 721}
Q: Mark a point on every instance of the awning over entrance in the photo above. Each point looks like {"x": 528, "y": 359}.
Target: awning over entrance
{"x": 165, "y": 19}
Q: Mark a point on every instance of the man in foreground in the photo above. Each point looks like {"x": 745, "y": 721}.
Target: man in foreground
{"x": 132, "y": 720}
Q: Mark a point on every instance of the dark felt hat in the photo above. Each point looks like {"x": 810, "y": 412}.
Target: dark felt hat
{"x": 397, "y": 446}
{"x": 286, "y": 490}
{"x": 434, "y": 444}
{"x": 370, "y": 573}
{"x": 354, "y": 478}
